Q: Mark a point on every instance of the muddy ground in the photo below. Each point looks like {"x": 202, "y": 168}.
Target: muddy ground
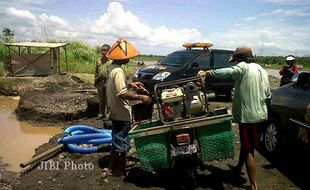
{"x": 76, "y": 171}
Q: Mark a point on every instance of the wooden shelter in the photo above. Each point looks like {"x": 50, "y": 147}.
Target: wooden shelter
{"x": 21, "y": 60}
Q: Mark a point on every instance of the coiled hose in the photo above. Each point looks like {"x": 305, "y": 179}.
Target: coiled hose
{"x": 77, "y": 135}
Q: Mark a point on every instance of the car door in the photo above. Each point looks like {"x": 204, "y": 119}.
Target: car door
{"x": 201, "y": 62}
{"x": 298, "y": 125}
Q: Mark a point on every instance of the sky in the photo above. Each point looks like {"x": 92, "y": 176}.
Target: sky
{"x": 158, "y": 27}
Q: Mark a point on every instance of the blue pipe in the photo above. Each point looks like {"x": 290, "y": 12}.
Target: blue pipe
{"x": 99, "y": 141}
{"x": 86, "y": 129}
{"x": 82, "y": 138}
{"x": 82, "y": 150}
{"x": 83, "y": 134}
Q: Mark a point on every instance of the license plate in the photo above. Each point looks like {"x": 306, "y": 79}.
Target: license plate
{"x": 187, "y": 149}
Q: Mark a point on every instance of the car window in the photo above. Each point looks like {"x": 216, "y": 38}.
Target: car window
{"x": 203, "y": 60}
{"x": 177, "y": 58}
{"x": 221, "y": 60}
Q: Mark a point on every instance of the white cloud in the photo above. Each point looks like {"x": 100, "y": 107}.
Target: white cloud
{"x": 20, "y": 13}
{"x": 266, "y": 39}
{"x": 288, "y": 12}
{"x": 54, "y": 21}
{"x": 267, "y": 33}
{"x": 172, "y": 37}
{"x": 120, "y": 23}
{"x": 278, "y": 32}
{"x": 42, "y": 27}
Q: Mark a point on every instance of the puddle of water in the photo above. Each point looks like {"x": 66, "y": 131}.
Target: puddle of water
{"x": 18, "y": 140}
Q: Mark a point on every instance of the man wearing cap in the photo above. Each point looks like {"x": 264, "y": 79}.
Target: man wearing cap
{"x": 249, "y": 103}
{"x": 118, "y": 95}
{"x": 288, "y": 70}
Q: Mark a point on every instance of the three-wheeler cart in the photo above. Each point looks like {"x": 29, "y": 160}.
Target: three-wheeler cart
{"x": 187, "y": 132}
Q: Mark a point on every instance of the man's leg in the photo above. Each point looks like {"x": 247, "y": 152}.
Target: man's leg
{"x": 242, "y": 157}
{"x": 251, "y": 169}
{"x": 114, "y": 164}
{"x": 101, "y": 100}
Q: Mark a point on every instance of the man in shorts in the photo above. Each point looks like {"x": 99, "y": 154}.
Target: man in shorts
{"x": 249, "y": 103}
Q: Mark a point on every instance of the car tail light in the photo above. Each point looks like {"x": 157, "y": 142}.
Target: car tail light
{"x": 183, "y": 139}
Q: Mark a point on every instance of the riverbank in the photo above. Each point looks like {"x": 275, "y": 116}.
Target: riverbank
{"x": 56, "y": 99}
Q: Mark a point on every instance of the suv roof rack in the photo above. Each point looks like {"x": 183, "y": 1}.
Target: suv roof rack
{"x": 193, "y": 45}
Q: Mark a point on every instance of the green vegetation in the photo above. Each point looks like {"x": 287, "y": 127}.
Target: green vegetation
{"x": 81, "y": 58}
{"x": 275, "y": 62}
{"x": 7, "y": 35}
{"x": 2, "y": 56}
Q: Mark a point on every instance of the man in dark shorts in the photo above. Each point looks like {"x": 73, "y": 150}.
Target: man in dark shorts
{"x": 249, "y": 103}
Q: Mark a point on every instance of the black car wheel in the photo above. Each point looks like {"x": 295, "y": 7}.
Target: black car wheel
{"x": 271, "y": 140}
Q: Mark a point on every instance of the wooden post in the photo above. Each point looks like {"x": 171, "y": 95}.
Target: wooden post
{"x": 65, "y": 47}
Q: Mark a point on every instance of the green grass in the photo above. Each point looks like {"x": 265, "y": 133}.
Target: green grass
{"x": 81, "y": 58}
{"x": 1, "y": 69}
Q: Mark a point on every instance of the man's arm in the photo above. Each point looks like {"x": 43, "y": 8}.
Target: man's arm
{"x": 122, "y": 91}
{"x": 225, "y": 73}
{"x": 132, "y": 96}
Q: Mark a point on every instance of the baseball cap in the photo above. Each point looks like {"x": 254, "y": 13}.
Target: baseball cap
{"x": 242, "y": 52}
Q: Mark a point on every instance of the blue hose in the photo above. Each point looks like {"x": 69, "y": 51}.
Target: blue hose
{"x": 83, "y": 134}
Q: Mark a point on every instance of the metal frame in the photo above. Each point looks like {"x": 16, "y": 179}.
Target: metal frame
{"x": 193, "y": 123}
{"x": 23, "y": 46}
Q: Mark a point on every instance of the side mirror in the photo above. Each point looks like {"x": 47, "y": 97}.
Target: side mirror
{"x": 304, "y": 80}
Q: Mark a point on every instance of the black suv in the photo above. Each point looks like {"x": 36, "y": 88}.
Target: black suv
{"x": 186, "y": 63}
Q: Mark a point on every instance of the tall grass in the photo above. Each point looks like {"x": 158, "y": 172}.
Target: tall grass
{"x": 2, "y": 58}
{"x": 81, "y": 57}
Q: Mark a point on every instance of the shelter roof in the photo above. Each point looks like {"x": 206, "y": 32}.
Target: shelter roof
{"x": 37, "y": 44}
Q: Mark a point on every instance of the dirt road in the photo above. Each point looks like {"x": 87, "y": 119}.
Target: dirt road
{"x": 74, "y": 171}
